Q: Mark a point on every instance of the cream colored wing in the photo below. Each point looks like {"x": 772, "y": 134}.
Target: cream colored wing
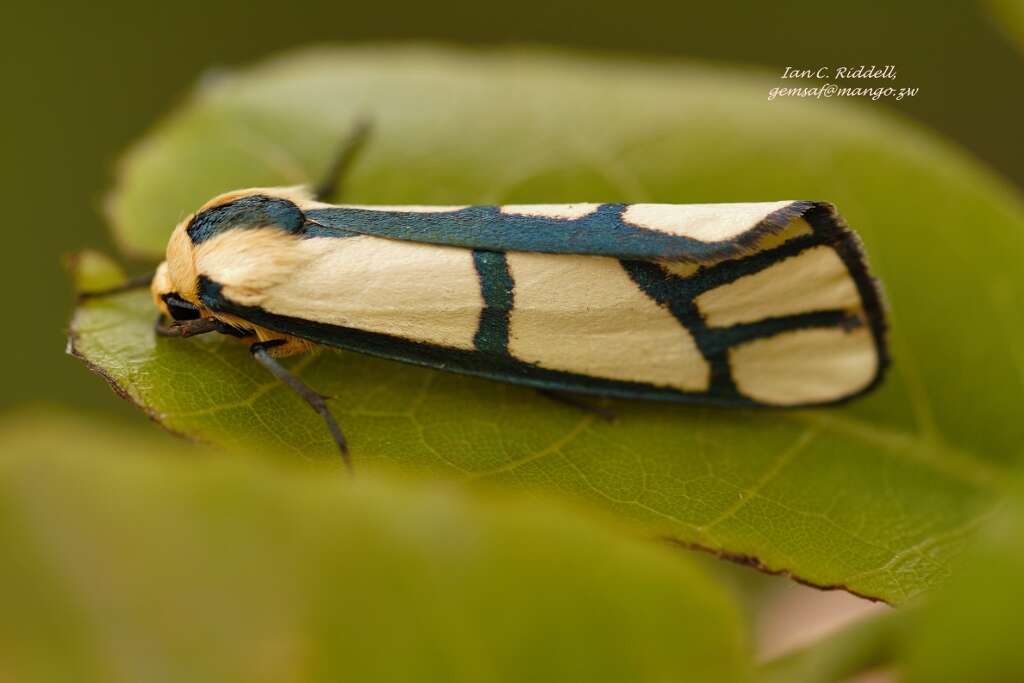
{"x": 794, "y": 319}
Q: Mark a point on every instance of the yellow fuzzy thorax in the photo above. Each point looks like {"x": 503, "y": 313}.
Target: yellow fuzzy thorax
{"x": 184, "y": 262}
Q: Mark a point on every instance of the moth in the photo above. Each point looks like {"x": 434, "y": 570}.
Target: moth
{"x": 750, "y": 305}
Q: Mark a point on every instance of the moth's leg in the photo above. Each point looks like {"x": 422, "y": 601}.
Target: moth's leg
{"x": 186, "y": 328}
{"x": 137, "y": 282}
{"x": 575, "y": 401}
{"x": 330, "y": 186}
{"x": 316, "y": 401}
{"x": 191, "y": 328}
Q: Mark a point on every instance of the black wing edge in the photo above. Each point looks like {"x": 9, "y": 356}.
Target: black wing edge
{"x": 830, "y": 227}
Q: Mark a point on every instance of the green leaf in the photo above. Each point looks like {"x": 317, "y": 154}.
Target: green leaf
{"x": 970, "y": 630}
{"x": 875, "y": 497}
{"x": 176, "y": 567}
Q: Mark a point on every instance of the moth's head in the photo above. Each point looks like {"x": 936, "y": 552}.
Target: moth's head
{"x": 169, "y": 300}
{"x": 174, "y": 286}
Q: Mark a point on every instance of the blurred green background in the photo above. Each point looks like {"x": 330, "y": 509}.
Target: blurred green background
{"x": 82, "y": 81}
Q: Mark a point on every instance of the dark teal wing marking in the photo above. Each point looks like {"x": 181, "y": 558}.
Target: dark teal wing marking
{"x": 601, "y": 233}
{"x": 486, "y": 228}
{"x": 496, "y": 288}
{"x": 255, "y": 211}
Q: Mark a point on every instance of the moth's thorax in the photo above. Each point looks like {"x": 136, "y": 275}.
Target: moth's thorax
{"x": 228, "y": 212}
{"x": 229, "y": 235}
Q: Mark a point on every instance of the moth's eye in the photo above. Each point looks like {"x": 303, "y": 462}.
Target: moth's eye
{"x": 179, "y": 308}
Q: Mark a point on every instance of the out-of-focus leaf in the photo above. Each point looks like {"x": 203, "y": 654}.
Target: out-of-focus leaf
{"x": 92, "y": 270}
{"x": 1009, "y": 16}
{"x": 874, "y": 497}
{"x": 866, "y": 645}
{"x": 122, "y": 561}
{"x": 971, "y": 629}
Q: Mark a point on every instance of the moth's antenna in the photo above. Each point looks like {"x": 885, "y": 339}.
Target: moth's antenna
{"x": 330, "y": 187}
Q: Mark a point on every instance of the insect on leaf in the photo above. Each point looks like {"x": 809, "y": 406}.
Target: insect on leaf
{"x": 874, "y": 497}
